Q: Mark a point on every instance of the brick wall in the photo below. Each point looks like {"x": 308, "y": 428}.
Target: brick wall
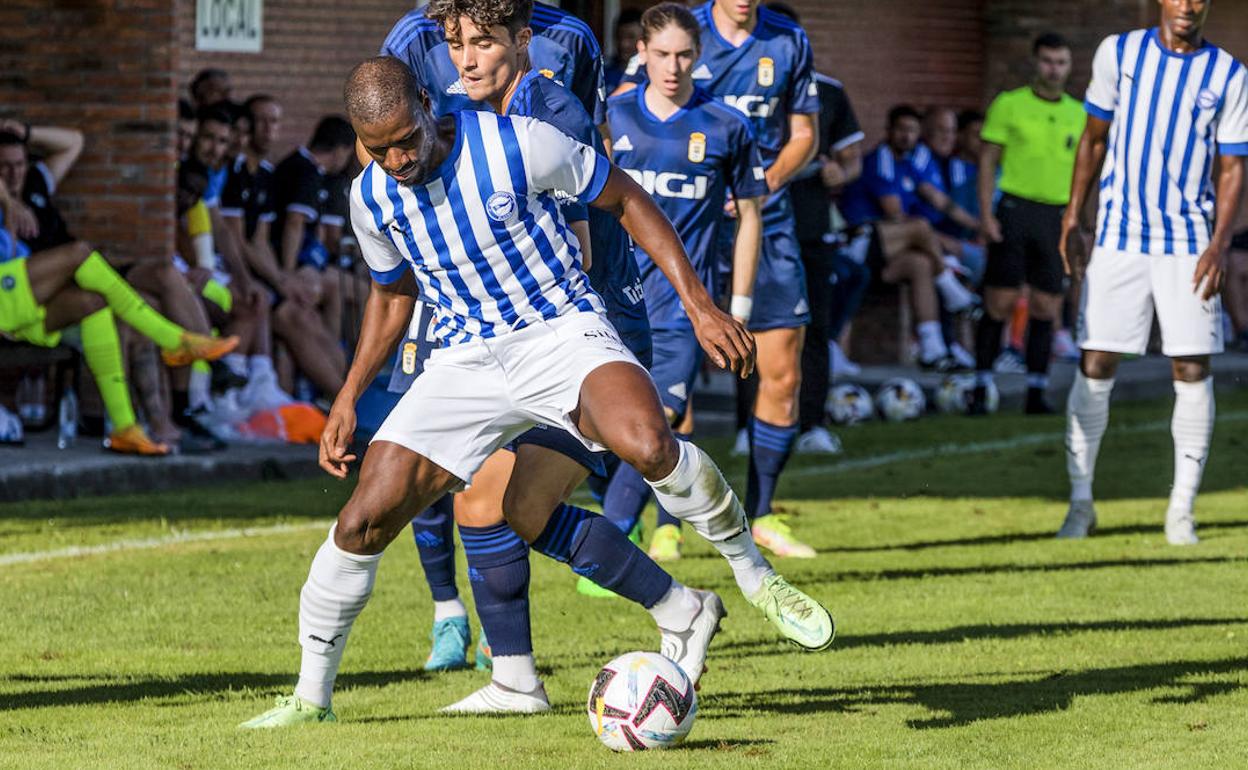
{"x": 106, "y": 69}
{"x": 309, "y": 47}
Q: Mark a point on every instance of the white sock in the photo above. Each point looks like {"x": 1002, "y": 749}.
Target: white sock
{"x": 338, "y": 587}
{"x": 451, "y": 608}
{"x": 954, "y": 295}
{"x": 518, "y": 672}
{"x": 1191, "y": 427}
{"x": 695, "y": 492}
{"x": 676, "y": 610}
{"x": 199, "y": 391}
{"x": 1087, "y": 414}
{"x": 931, "y": 341}
{"x": 237, "y": 363}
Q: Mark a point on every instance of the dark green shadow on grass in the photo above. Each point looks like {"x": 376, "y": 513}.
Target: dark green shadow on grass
{"x": 956, "y": 704}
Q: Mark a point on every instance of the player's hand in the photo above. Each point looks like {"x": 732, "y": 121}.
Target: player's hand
{"x": 990, "y": 229}
{"x": 730, "y": 207}
{"x": 831, "y": 173}
{"x": 1073, "y": 246}
{"x": 725, "y": 340}
{"x": 1211, "y": 270}
{"x": 336, "y": 438}
{"x": 25, "y": 224}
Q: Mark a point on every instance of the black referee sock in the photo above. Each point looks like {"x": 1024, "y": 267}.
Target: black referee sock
{"x": 1039, "y": 346}
{"x": 987, "y": 342}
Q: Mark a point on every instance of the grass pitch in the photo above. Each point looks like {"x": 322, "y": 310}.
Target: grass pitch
{"x": 968, "y": 636}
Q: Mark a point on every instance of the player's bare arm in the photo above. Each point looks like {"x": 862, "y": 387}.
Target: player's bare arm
{"x": 725, "y": 340}
{"x": 1088, "y": 161}
{"x": 986, "y": 187}
{"x": 1212, "y": 264}
{"x": 292, "y": 237}
{"x": 386, "y": 316}
{"x": 745, "y": 252}
{"x": 799, "y": 150}
{"x": 947, "y": 206}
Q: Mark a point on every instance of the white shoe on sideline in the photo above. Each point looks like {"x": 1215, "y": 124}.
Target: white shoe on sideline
{"x": 1080, "y": 520}
{"x": 1064, "y": 347}
{"x": 1180, "y": 528}
{"x": 1009, "y": 362}
{"x": 818, "y": 441}
{"x": 839, "y": 363}
{"x": 495, "y": 698}
{"x": 741, "y": 447}
{"x": 962, "y": 356}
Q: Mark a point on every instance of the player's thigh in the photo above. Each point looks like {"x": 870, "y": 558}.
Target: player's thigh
{"x": 1117, "y": 302}
{"x": 620, "y": 409}
{"x": 481, "y": 505}
{"x": 541, "y": 479}
{"x": 394, "y": 481}
{"x": 1190, "y": 325}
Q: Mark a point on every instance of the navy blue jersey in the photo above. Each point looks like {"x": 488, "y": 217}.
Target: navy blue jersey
{"x": 882, "y": 175}
{"x": 563, "y": 48}
{"x": 613, "y": 271}
{"x": 687, "y": 163}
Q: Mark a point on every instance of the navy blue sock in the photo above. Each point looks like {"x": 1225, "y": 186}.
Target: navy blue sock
{"x": 595, "y": 548}
{"x": 770, "y": 447}
{"x": 434, "y": 531}
{"x": 626, "y": 498}
{"x": 664, "y": 518}
{"x": 498, "y": 571}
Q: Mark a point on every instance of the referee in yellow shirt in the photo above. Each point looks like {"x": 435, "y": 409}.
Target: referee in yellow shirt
{"x": 1030, "y": 133}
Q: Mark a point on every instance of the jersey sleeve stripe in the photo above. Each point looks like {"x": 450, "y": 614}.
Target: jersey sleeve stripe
{"x": 602, "y": 170}
{"x": 1096, "y": 111}
{"x": 1236, "y": 148}
{"x": 390, "y": 276}
{"x": 853, "y": 138}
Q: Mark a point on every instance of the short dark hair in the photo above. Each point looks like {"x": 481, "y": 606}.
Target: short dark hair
{"x": 900, "y": 111}
{"x": 515, "y": 15}
{"x": 206, "y": 74}
{"x": 185, "y": 110}
{"x": 331, "y": 133}
{"x": 1050, "y": 40}
{"x": 784, "y": 9}
{"x": 628, "y": 16}
{"x": 8, "y": 138}
{"x": 969, "y": 117}
{"x": 255, "y": 100}
{"x": 215, "y": 113}
{"x": 658, "y": 17}
{"x": 379, "y": 86}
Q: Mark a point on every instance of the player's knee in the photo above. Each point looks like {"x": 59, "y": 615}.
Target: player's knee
{"x": 1191, "y": 369}
{"x": 90, "y": 302}
{"x": 653, "y": 453}
{"x": 358, "y": 532}
{"x": 999, "y": 303}
{"x": 1097, "y": 365}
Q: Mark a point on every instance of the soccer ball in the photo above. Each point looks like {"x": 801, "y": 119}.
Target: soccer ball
{"x": 900, "y": 399}
{"x": 953, "y": 394}
{"x": 641, "y": 700}
{"x": 849, "y": 404}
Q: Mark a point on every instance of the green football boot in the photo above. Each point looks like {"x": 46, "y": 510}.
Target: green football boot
{"x": 801, "y": 619}
{"x": 290, "y": 710}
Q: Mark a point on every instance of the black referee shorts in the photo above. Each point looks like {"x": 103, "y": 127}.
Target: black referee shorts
{"x": 1027, "y": 252}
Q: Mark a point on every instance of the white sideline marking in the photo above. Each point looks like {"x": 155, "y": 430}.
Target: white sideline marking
{"x": 975, "y": 447}
{"x": 861, "y": 463}
{"x": 138, "y": 544}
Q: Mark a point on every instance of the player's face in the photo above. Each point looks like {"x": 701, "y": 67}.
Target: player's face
{"x": 403, "y": 144}
{"x": 212, "y": 143}
{"x": 1184, "y": 18}
{"x": 239, "y": 133}
{"x": 1053, "y": 67}
{"x": 186, "y": 136}
{"x": 213, "y": 91}
{"x": 266, "y": 125}
{"x": 903, "y": 136}
{"x": 669, "y": 58}
{"x": 738, "y": 11}
{"x": 13, "y": 168}
{"x": 969, "y": 142}
{"x": 487, "y": 59}
{"x": 627, "y": 36}
{"x": 940, "y": 132}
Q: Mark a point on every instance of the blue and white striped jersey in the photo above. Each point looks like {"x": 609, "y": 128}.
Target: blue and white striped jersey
{"x": 1169, "y": 113}
{"x": 485, "y": 235}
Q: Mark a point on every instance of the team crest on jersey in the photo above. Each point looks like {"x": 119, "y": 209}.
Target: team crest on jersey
{"x": 409, "y": 358}
{"x": 1206, "y": 99}
{"x": 697, "y": 147}
{"x": 766, "y": 71}
{"x": 8, "y": 283}
{"x": 501, "y": 206}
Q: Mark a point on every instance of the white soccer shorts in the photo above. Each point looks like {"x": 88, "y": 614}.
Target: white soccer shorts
{"x": 1121, "y": 291}
{"x": 477, "y": 396}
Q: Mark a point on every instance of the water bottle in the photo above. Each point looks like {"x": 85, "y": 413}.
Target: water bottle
{"x": 67, "y": 417}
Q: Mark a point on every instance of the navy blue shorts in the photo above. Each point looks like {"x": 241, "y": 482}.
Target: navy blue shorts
{"x": 780, "y": 289}
{"x": 677, "y": 360}
{"x": 565, "y": 444}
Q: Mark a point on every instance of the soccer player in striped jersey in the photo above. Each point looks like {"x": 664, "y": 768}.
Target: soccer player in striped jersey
{"x": 505, "y": 78}
{"x": 687, "y": 149}
{"x": 1167, "y": 131}
{"x": 463, "y": 210}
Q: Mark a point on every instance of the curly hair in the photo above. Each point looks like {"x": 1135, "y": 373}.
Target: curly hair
{"x": 515, "y": 15}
